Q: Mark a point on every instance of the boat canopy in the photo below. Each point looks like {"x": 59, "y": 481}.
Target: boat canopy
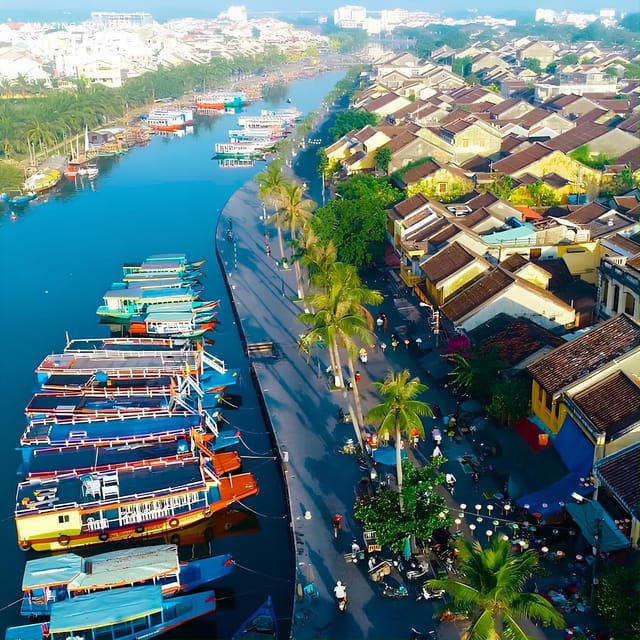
{"x": 105, "y": 608}
{"x": 105, "y": 570}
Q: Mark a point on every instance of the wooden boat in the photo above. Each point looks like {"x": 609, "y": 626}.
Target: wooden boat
{"x": 51, "y": 462}
{"x": 43, "y": 180}
{"x": 181, "y": 324}
{"x": 220, "y": 101}
{"x": 78, "y": 509}
{"x": 166, "y": 262}
{"x": 20, "y": 200}
{"x": 100, "y": 385}
{"x": 130, "y": 613}
{"x": 62, "y": 577}
{"x": 260, "y": 625}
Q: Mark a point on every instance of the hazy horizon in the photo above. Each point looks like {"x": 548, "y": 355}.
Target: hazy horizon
{"x": 162, "y": 10}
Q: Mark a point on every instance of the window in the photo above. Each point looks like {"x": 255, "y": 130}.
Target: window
{"x": 63, "y": 519}
{"x": 547, "y": 401}
{"x": 442, "y": 187}
{"x": 629, "y": 304}
{"x": 616, "y": 298}
{"x": 540, "y": 394}
{"x": 556, "y": 409}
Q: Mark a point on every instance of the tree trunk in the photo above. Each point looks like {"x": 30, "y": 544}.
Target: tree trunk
{"x": 296, "y": 266}
{"x": 337, "y": 371}
{"x": 399, "y": 465}
{"x": 281, "y": 243}
{"x": 356, "y": 394}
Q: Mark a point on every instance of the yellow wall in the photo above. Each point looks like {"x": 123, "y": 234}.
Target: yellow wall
{"x": 531, "y": 273}
{"x": 459, "y": 281}
{"x": 540, "y": 409}
{"x": 581, "y": 259}
{"x": 45, "y": 525}
{"x": 430, "y": 185}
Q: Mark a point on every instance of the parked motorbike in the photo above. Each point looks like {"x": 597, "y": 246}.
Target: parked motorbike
{"x": 432, "y": 634}
{"x": 343, "y": 417}
{"x": 416, "y": 570}
{"x": 391, "y": 591}
{"x": 428, "y": 594}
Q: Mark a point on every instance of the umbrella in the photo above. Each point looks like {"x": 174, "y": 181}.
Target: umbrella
{"x": 471, "y": 406}
{"x": 387, "y": 455}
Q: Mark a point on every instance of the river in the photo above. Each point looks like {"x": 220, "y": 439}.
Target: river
{"x": 58, "y": 258}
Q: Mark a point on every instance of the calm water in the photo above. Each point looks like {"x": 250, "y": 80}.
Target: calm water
{"x": 56, "y": 261}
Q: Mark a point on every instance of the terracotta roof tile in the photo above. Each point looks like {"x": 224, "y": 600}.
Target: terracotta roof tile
{"x": 595, "y": 349}
{"x": 522, "y": 159}
{"x": 620, "y": 473}
{"x": 514, "y": 262}
{"x": 446, "y": 262}
{"x": 515, "y": 338}
{"x": 408, "y": 206}
{"x": 612, "y": 405}
{"x": 446, "y": 233}
{"x": 473, "y": 219}
{"x": 576, "y": 137}
{"x": 587, "y": 213}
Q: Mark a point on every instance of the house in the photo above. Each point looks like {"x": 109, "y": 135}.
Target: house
{"x": 570, "y": 105}
{"x": 532, "y": 272}
{"x": 405, "y": 148}
{"x": 599, "y": 138}
{"x": 590, "y": 358}
{"x": 435, "y": 180}
{"x": 449, "y": 271}
{"x": 355, "y": 151}
{"x": 619, "y": 290}
{"x": 536, "y": 51}
{"x": 461, "y": 139}
{"x": 601, "y": 220}
{"x": 617, "y": 477}
{"x": 539, "y": 159}
{"x": 499, "y": 291}
{"x": 509, "y": 109}
{"x": 385, "y": 105}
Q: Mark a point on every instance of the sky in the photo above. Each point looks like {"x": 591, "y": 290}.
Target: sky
{"x": 165, "y": 9}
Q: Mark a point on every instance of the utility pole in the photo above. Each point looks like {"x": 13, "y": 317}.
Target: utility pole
{"x": 596, "y": 555}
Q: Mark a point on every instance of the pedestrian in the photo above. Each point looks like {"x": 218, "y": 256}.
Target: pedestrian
{"x": 436, "y": 452}
{"x": 383, "y": 347}
{"x": 394, "y": 343}
{"x": 268, "y": 250}
{"x": 407, "y": 342}
{"x": 437, "y": 436}
{"x": 379, "y": 321}
{"x": 357, "y": 376}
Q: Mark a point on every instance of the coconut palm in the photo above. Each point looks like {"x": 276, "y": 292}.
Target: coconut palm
{"x": 399, "y": 413}
{"x": 489, "y": 589}
{"x": 316, "y": 257}
{"x": 294, "y": 212}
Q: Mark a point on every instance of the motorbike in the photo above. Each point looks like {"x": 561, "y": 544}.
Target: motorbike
{"x": 337, "y": 524}
{"x": 392, "y": 591}
{"x": 432, "y": 634}
{"x": 416, "y": 570}
{"x": 343, "y": 417}
{"x": 428, "y": 594}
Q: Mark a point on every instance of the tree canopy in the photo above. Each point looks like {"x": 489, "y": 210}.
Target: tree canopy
{"x": 423, "y": 511}
{"x": 349, "y": 120}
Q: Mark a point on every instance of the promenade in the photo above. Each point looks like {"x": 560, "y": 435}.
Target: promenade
{"x": 302, "y": 411}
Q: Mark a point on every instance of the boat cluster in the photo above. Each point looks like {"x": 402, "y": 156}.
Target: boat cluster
{"x": 123, "y": 444}
{"x": 257, "y": 135}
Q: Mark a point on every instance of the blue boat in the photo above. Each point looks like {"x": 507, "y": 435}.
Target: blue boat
{"x": 61, "y": 577}
{"x": 261, "y": 624}
{"x": 128, "y": 613}
{"x": 19, "y": 201}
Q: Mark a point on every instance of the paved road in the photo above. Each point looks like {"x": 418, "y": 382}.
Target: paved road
{"x": 303, "y": 413}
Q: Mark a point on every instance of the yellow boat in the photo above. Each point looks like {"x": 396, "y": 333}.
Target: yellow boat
{"x": 43, "y": 180}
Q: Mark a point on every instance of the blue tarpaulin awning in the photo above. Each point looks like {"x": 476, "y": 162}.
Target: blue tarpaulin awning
{"x": 594, "y": 521}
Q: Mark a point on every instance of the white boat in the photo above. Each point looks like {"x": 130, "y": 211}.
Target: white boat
{"x": 169, "y": 119}
{"x": 240, "y": 149}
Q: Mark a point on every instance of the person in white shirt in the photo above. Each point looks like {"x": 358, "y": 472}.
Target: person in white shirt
{"x": 340, "y": 591}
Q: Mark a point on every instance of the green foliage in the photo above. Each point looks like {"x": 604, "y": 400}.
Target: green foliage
{"x": 631, "y": 22}
{"x": 349, "y": 120}
{"x": 583, "y": 155}
{"x": 533, "y": 64}
{"x": 617, "y": 599}
{"x": 348, "y": 40}
{"x": 489, "y": 590}
{"x": 356, "y": 228}
{"x": 422, "y": 507}
{"x": 475, "y": 370}
{"x": 400, "y": 173}
{"x": 11, "y": 176}
{"x": 536, "y": 194}
{"x": 569, "y": 58}
{"x": 462, "y": 66}
{"x": 383, "y": 158}
{"x": 632, "y": 71}
{"x": 379, "y": 190}
{"x": 551, "y": 67}
{"x": 502, "y": 186}
{"x": 509, "y": 398}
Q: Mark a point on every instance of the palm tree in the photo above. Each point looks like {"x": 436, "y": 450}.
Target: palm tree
{"x": 399, "y": 414}
{"x": 293, "y": 212}
{"x": 489, "y": 588}
{"x": 315, "y": 256}
{"x": 462, "y": 372}
{"x": 270, "y": 180}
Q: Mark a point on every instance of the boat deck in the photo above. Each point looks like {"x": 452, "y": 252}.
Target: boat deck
{"x": 49, "y": 403}
{"x": 123, "y": 429}
{"x": 54, "y": 461}
{"x": 127, "y": 345}
{"x": 108, "y": 487}
{"x": 119, "y": 365}
{"x": 90, "y": 384}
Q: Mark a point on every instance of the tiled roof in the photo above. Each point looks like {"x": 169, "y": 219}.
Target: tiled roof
{"x": 587, "y": 213}
{"x": 514, "y": 262}
{"x": 632, "y": 158}
{"x": 482, "y": 200}
{"x": 622, "y": 244}
{"x": 592, "y": 350}
{"x": 477, "y": 294}
{"x": 625, "y": 202}
{"x": 365, "y": 133}
{"x": 510, "y": 142}
{"x": 446, "y": 233}
{"x": 380, "y": 102}
{"x": 576, "y": 137}
{"x": 408, "y": 206}
{"x": 421, "y": 171}
{"x": 620, "y": 473}
{"x": 631, "y": 124}
{"x": 401, "y": 141}
{"x": 473, "y": 219}
{"x": 558, "y": 270}
{"x": 446, "y": 262}
{"x": 522, "y": 159}
{"x": 515, "y": 338}
{"x": 612, "y": 405}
